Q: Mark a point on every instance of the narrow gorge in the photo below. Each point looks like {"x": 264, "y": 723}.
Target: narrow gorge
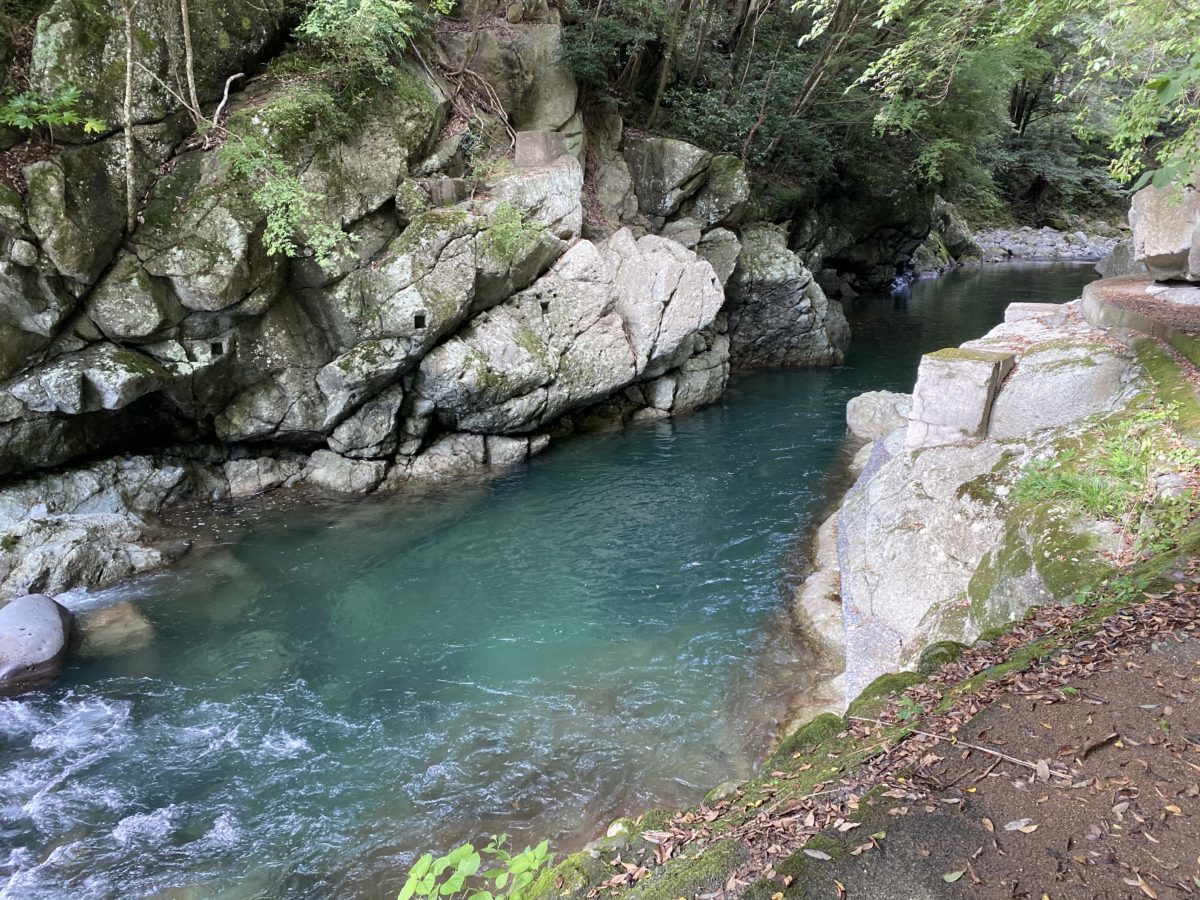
{"x": 426, "y": 422}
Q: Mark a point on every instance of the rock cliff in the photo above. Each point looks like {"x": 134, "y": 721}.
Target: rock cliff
{"x": 473, "y": 306}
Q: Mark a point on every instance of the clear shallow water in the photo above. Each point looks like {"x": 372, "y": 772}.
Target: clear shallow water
{"x": 334, "y": 688}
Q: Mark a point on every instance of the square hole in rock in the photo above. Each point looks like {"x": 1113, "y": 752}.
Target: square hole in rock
{"x": 419, "y": 320}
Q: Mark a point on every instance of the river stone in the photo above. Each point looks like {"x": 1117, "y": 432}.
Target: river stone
{"x": 952, "y": 400}
{"x": 1166, "y": 231}
{"x": 1121, "y": 261}
{"x": 453, "y": 455}
{"x": 33, "y": 642}
{"x": 665, "y": 172}
{"x": 506, "y": 451}
{"x": 877, "y": 414}
{"x": 248, "y": 477}
{"x": 114, "y": 631}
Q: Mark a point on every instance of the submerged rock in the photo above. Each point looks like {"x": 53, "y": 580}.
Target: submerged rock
{"x": 34, "y": 632}
{"x": 113, "y": 631}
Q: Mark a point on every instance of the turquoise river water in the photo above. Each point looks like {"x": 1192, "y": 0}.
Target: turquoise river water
{"x": 333, "y": 688}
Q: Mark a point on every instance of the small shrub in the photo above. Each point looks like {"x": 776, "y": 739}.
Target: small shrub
{"x": 457, "y": 873}
{"x": 31, "y": 110}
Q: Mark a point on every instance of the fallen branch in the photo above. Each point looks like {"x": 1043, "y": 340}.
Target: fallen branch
{"x": 955, "y": 741}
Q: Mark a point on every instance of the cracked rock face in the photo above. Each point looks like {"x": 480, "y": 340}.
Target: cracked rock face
{"x": 778, "y": 315}
{"x": 602, "y": 317}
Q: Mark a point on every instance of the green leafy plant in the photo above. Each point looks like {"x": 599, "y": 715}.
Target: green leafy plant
{"x": 908, "y": 709}
{"x": 293, "y": 212}
{"x": 458, "y": 872}
{"x": 360, "y": 36}
{"x": 31, "y": 110}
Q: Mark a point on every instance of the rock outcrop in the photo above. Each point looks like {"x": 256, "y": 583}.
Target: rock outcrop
{"x": 1166, "y": 231}
{"x": 932, "y": 542}
{"x": 778, "y": 314}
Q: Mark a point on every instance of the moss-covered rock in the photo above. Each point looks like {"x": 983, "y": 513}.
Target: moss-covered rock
{"x": 688, "y": 877}
{"x": 81, "y": 43}
{"x": 938, "y": 654}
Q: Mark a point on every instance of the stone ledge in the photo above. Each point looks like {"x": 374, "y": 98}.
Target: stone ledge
{"x": 1137, "y": 302}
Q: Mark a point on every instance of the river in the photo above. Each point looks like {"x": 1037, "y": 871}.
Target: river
{"x": 333, "y": 688}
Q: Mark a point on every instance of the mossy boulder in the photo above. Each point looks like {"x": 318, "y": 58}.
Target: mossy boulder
{"x": 722, "y": 199}
{"x": 81, "y": 43}
{"x": 938, "y": 654}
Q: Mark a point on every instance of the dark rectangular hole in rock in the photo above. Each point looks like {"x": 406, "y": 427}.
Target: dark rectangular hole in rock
{"x": 216, "y": 348}
{"x": 419, "y": 320}
{"x": 545, "y": 306}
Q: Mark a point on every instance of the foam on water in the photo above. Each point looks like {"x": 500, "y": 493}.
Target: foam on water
{"x": 334, "y": 689}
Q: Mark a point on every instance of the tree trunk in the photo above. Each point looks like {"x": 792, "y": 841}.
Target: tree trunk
{"x": 189, "y": 62}
{"x": 664, "y": 70}
{"x": 704, "y": 29}
{"x": 130, "y": 170}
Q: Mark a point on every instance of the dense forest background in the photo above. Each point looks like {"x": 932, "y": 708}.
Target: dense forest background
{"x": 1034, "y": 112}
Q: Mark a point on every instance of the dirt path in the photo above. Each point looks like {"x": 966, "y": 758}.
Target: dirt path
{"x": 1060, "y": 760}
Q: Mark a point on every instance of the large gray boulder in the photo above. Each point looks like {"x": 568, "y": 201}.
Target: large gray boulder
{"x": 1166, "y": 231}
{"x": 81, "y": 43}
{"x": 34, "y": 634}
{"x": 1120, "y": 262}
{"x": 602, "y": 317}
{"x": 877, "y": 414}
{"x": 102, "y": 377}
{"x": 666, "y": 172}
{"x": 778, "y": 315}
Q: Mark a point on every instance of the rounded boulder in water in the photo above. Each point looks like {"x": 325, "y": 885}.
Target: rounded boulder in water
{"x": 34, "y": 631}
{"x": 114, "y": 630}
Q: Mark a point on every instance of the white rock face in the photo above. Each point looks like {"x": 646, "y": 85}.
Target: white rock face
{"x": 877, "y": 414}
{"x": 1166, "y": 231}
{"x": 930, "y": 546}
{"x": 952, "y": 401}
{"x": 604, "y": 316}
{"x": 33, "y": 641}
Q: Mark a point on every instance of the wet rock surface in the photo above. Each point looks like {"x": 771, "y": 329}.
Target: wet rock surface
{"x": 34, "y": 633}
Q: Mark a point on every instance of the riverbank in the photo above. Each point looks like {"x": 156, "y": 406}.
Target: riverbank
{"x": 840, "y": 788}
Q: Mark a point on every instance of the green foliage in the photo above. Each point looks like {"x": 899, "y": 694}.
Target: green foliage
{"x": 1113, "y": 477}
{"x": 458, "y": 873}
{"x": 293, "y": 212}
{"x": 361, "y": 37}
{"x": 508, "y": 232}
{"x": 31, "y": 110}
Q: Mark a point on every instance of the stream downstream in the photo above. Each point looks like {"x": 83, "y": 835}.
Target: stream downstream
{"x": 334, "y": 688}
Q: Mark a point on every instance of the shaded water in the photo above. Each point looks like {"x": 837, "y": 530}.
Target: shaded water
{"x": 333, "y": 688}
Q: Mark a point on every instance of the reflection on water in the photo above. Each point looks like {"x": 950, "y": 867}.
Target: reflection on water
{"x": 333, "y": 688}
